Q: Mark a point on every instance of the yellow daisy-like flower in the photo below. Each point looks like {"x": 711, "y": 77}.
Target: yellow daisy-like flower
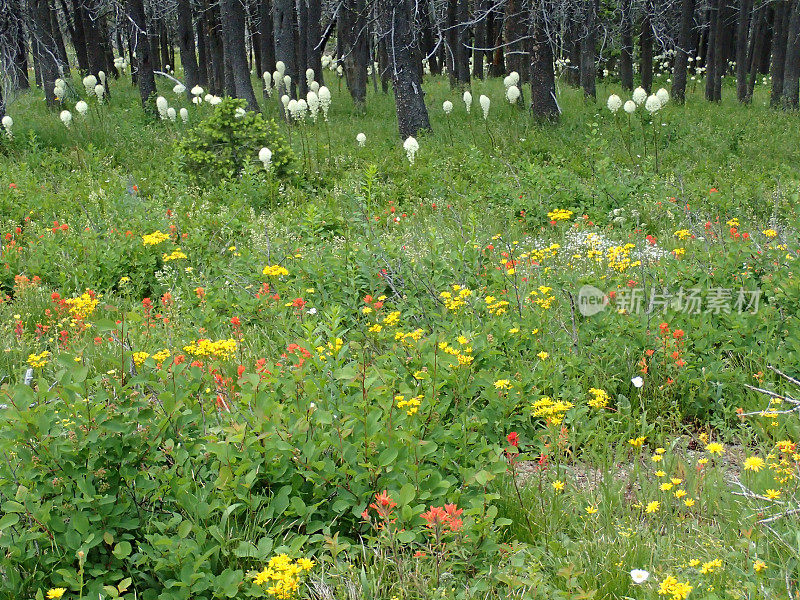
{"x": 680, "y": 494}
{"x": 660, "y": 474}
{"x": 653, "y": 506}
{"x": 55, "y": 593}
{"x": 274, "y": 271}
{"x": 558, "y": 485}
{"x": 753, "y": 463}
{"x": 770, "y": 233}
{"x": 502, "y": 384}
{"x": 772, "y": 494}
{"x": 665, "y": 487}
{"x": 657, "y": 457}
{"x": 543, "y": 355}
{"x": 715, "y": 448}
{"x": 637, "y": 442}
{"x": 759, "y": 566}
{"x": 590, "y": 510}
{"x": 689, "y": 502}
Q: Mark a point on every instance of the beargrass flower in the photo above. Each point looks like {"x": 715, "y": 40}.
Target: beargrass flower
{"x": 102, "y": 76}
{"x": 89, "y": 82}
{"x": 179, "y": 89}
{"x": 239, "y": 113}
{"x": 287, "y": 82}
{"x": 280, "y": 67}
{"x": 313, "y": 104}
{"x": 184, "y": 115}
{"x": 171, "y": 114}
{"x": 630, "y": 107}
{"x": 447, "y": 107}
{"x": 485, "y": 104}
{"x": 265, "y": 156}
{"x": 513, "y": 94}
{"x": 66, "y": 118}
{"x": 411, "y": 146}
{"x": 8, "y": 123}
{"x": 267, "y": 77}
{"x": 652, "y": 104}
{"x": 309, "y": 77}
{"x": 197, "y": 91}
{"x": 100, "y": 91}
{"x": 468, "y": 101}
{"x": 663, "y": 96}
{"x": 639, "y": 96}
{"x": 361, "y": 139}
{"x": 614, "y": 103}
{"x": 82, "y": 108}
{"x": 285, "y": 99}
{"x": 162, "y": 105}
{"x": 324, "y": 100}
{"x": 314, "y": 87}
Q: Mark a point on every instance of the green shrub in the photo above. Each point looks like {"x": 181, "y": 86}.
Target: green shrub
{"x": 221, "y": 146}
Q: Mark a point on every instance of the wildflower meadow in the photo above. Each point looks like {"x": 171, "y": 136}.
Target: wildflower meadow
{"x": 290, "y": 354}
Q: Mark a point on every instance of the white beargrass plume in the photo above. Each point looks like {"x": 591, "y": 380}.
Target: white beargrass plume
{"x": 652, "y": 104}
{"x": 66, "y": 118}
{"x": 277, "y": 80}
{"x": 302, "y": 109}
{"x": 89, "y": 82}
{"x": 339, "y": 71}
{"x": 60, "y": 88}
{"x": 265, "y": 156}
{"x": 82, "y": 108}
{"x": 197, "y": 91}
{"x": 614, "y": 103}
{"x": 313, "y": 104}
{"x": 309, "y": 77}
{"x": 507, "y": 81}
{"x": 285, "y": 101}
{"x": 514, "y": 77}
{"x": 630, "y": 107}
{"x": 468, "y": 101}
{"x": 102, "y": 76}
{"x": 171, "y": 114}
{"x": 485, "y": 104}
{"x": 639, "y": 96}
{"x": 280, "y": 67}
{"x": 208, "y": 97}
{"x": 324, "y": 100}
{"x": 162, "y": 105}
{"x": 314, "y": 87}
{"x": 287, "y": 83}
{"x": 100, "y": 91}
{"x": 663, "y": 96}
{"x": 179, "y": 89}
{"x": 361, "y": 139}
{"x": 214, "y": 100}
{"x": 411, "y": 146}
{"x": 326, "y": 60}
{"x": 292, "y": 108}
{"x": 513, "y": 94}
{"x": 184, "y": 115}
{"x": 239, "y": 112}
{"x": 8, "y": 123}
{"x": 447, "y": 107}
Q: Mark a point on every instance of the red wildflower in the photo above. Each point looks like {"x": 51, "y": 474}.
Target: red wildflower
{"x": 513, "y": 438}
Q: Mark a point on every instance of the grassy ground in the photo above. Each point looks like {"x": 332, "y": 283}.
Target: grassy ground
{"x": 307, "y": 364}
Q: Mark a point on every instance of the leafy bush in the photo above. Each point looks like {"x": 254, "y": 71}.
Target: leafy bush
{"x": 222, "y": 145}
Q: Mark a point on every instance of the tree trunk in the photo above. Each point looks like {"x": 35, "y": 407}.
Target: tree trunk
{"x": 203, "y": 63}
{"x": 779, "y": 51}
{"x": 89, "y": 11}
{"x": 711, "y": 53}
{"x": 266, "y": 36}
{"x": 543, "y": 85}
{"x": 626, "y": 49}
{"x": 724, "y": 36}
{"x": 462, "y": 42}
{"x": 314, "y": 41}
{"x": 217, "y": 51}
{"x": 301, "y": 46}
{"x": 58, "y": 38}
{"x": 683, "y": 51}
{"x": 646, "y": 50}
{"x": 480, "y": 42}
{"x": 233, "y": 40}
{"x": 397, "y": 29}
{"x": 757, "y": 43}
{"x": 791, "y": 69}
{"x": 742, "y": 30}
{"x": 283, "y": 23}
{"x": 516, "y": 26}
{"x": 166, "y": 46}
{"x": 589, "y": 49}
{"x": 46, "y": 53}
{"x": 355, "y": 49}
{"x": 141, "y": 46}
{"x": 186, "y": 46}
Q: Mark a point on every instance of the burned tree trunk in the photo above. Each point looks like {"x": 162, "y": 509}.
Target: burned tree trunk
{"x": 791, "y": 69}
{"x": 742, "y": 30}
{"x": 141, "y": 46}
{"x": 284, "y": 28}
{"x": 354, "y": 49}
{"x": 233, "y": 40}
{"x": 186, "y": 46}
{"x": 683, "y": 51}
{"x": 396, "y": 27}
{"x": 646, "y": 51}
{"x": 543, "y": 85}
{"x": 589, "y": 49}
{"x": 46, "y": 53}
{"x": 626, "y": 49}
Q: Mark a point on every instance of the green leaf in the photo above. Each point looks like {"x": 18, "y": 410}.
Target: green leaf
{"x": 122, "y": 550}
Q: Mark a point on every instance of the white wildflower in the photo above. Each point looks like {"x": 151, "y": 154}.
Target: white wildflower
{"x": 197, "y": 91}
{"x": 630, "y": 107}
{"x": 411, "y": 146}
{"x": 265, "y": 156}
{"x": 66, "y": 118}
{"x": 485, "y": 104}
{"x": 82, "y": 108}
{"x": 614, "y": 103}
{"x": 513, "y": 94}
{"x": 324, "y": 100}
{"x": 100, "y": 91}
{"x": 639, "y": 576}
{"x": 171, "y": 114}
{"x": 8, "y": 123}
{"x": 309, "y": 76}
{"x": 280, "y": 67}
{"x": 184, "y": 115}
{"x": 314, "y": 87}
{"x": 162, "y": 105}
{"x": 639, "y": 96}
{"x": 468, "y": 101}
{"x": 663, "y": 96}
{"x": 447, "y": 107}
{"x": 313, "y": 104}
{"x": 637, "y": 382}
{"x": 239, "y": 112}
{"x": 652, "y": 104}
{"x": 179, "y": 89}
{"x": 102, "y": 76}
{"x": 361, "y": 139}
{"x": 287, "y": 83}
{"x": 89, "y": 82}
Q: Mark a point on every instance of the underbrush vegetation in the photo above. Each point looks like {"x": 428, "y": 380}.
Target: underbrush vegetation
{"x": 536, "y": 361}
